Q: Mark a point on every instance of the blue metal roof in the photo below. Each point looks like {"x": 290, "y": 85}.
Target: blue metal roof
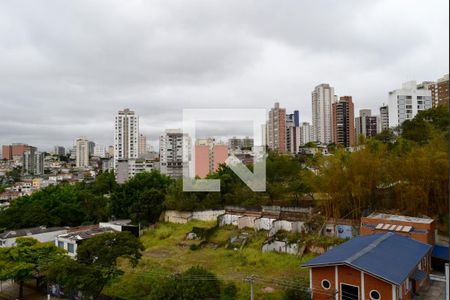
{"x": 440, "y": 252}
{"x": 389, "y": 256}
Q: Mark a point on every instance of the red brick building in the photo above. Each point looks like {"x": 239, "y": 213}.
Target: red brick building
{"x": 383, "y": 266}
{"x": 343, "y": 122}
{"x": 419, "y": 229}
{"x": 10, "y": 151}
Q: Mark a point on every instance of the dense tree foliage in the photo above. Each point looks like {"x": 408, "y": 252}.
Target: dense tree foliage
{"x": 96, "y": 263}
{"x": 60, "y": 205}
{"x": 407, "y": 173}
{"x": 28, "y": 260}
{"x": 140, "y": 198}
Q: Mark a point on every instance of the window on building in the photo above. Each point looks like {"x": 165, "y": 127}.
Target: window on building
{"x": 326, "y": 284}
{"x": 60, "y": 244}
{"x": 375, "y": 295}
{"x": 71, "y": 248}
{"x": 349, "y": 292}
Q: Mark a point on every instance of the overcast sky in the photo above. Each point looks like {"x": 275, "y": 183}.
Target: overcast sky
{"x": 66, "y": 67}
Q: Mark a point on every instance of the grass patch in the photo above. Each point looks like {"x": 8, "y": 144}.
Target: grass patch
{"x": 167, "y": 249}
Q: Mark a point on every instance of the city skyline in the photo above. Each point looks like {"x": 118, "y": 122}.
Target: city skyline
{"x": 208, "y": 55}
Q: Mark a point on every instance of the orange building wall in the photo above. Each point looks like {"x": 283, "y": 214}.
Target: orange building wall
{"x": 220, "y": 155}
{"x": 6, "y": 152}
{"x": 19, "y": 149}
{"x": 201, "y": 161}
{"x": 349, "y": 275}
{"x": 319, "y": 274}
{"x": 372, "y": 283}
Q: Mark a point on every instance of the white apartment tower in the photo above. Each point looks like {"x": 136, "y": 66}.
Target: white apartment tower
{"x": 322, "y": 100}
{"x": 174, "y": 152}
{"x": 306, "y": 133}
{"x": 126, "y": 136}
{"x": 100, "y": 151}
{"x": 405, "y": 103}
{"x": 82, "y": 152}
{"x": 366, "y": 124}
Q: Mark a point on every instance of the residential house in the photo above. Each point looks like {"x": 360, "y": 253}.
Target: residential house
{"x": 384, "y": 266}
{"x": 42, "y": 234}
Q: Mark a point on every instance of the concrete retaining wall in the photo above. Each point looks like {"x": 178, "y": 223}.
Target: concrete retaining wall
{"x": 182, "y": 217}
{"x": 280, "y": 246}
{"x": 246, "y": 222}
{"x": 229, "y": 220}
{"x": 264, "y": 223}
{"x": 207, "y": 215}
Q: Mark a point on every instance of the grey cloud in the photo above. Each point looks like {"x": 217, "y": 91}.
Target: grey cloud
{"x": 66, "y": 67}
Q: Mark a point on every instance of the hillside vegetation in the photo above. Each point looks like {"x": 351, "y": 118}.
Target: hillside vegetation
{"x": 168, "y": 251}
{"x": 404, "y": 171}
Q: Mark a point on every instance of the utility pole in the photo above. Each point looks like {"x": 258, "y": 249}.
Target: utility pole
{"x": 251, "y": 279}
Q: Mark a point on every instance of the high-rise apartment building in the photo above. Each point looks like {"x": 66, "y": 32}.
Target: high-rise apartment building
{"x": 366, "y": 124}
{"x": 384, "y": 117}
{"x": 82, "y": 152}
{"x": 405, "y": 103}
{"x": 442, "y": 90}
{"x": 292, "y": 134}
{"x": 59, "y": 150}
{"x": 14, "y": 151}
{"x": 127, "y": 169}
{"x": 306, "y": 133}
{"x": 174, "y": 152}
{"x": 91, "y": 145}
{"x": 240, "y": 143}
{"x": 110, "y": 151}
{"x": 322, "y": 100}
{"x": 344, "y": 122}
{"x": 126, "y": 136}
{"x": 6, "y": 152}
{"x": 142, "y": 145}
{"x": 296, "y": 116}
{"x": 209, "y": 155}
{"x": 276, "y": 129}
{"x": 33, "y": 162}
{"x": 73, "y": 152}
{"x": 432, "y": 87}
{"x": 100, "y": 151}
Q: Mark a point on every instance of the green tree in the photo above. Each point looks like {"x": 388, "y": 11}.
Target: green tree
{"x": 29, "y": 259}
{"x": 96, "y": 263}
{"x": 386, "y": 136}
{"x": 131, "y": 192}
{"x": 417, "y": 130}
{"x": 105, "y": 183}
{"x": 195, "y": 283}
{"x": 15, "y": 174}
{"x": 148, "y": 206}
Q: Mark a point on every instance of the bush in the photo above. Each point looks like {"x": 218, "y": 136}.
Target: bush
{"x": 195, "y": 283}
{"x": 229, "y": 291}
{"x": 164, "y": 233}
{"x": 294, "y": 294}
